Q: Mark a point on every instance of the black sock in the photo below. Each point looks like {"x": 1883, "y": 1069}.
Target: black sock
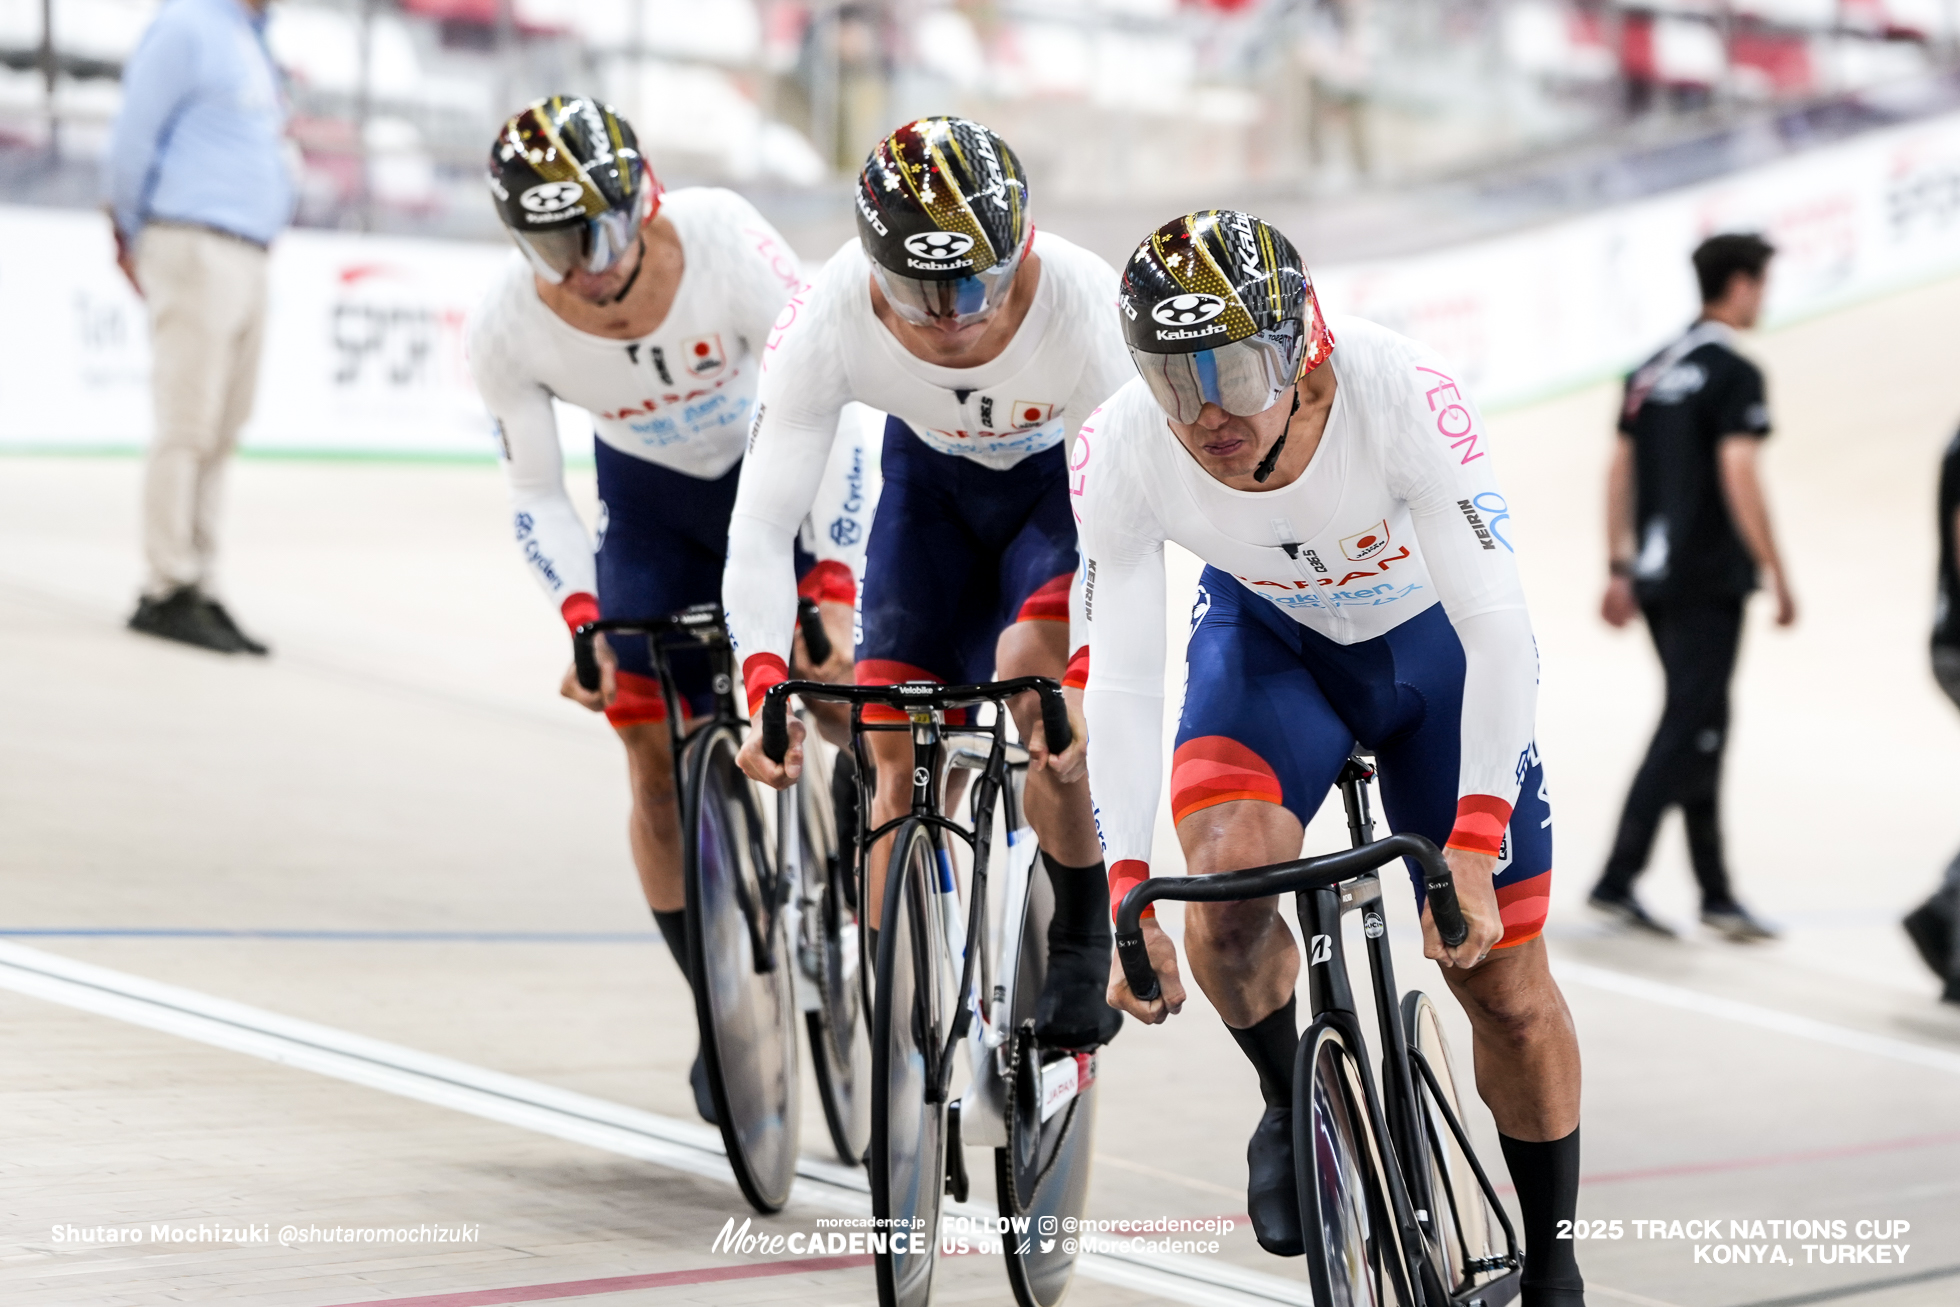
{"x": 673, "y": 929}
{"x": 1270, "y": 1046}
{"x": 1081, "y": 899}
{"x": 1547, "y": 1179}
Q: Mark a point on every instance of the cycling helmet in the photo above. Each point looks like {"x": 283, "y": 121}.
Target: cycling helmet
{"x": 571, "y": 186}
{"x": 942, "y": 210}
{"x": 1218, "y": 307}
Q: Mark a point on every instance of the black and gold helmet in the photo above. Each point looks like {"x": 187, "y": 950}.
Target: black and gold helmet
{"x": 1218, "y": 307}
{"x": 570, "y": 184}
{"x": 942, "y": 211}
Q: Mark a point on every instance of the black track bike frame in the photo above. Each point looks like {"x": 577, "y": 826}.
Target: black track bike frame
{"x": 1325, "y": 890}
{"x": 700, "y": 627}
{"x": 925, "y": 706}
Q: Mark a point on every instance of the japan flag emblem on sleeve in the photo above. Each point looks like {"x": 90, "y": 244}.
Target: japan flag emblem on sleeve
{"x": 1026, "y": 414}
{"x": 703, "y": 356}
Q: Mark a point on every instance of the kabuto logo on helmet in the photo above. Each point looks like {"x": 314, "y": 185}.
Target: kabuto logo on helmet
{"x": 548, "y": 198}
{"x": 1187, "y": 310}
{"x": 940, "y": 246}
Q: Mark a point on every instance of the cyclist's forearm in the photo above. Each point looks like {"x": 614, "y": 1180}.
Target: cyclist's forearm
{"x": 759, "y": 592}
{"x": 1500, "y": 704}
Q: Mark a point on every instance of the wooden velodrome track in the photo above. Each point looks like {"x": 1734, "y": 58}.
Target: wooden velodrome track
{"x": 348, "y": 939}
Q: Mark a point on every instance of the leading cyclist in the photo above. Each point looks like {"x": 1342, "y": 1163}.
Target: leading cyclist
{"x": 988, "y": 344}
{"x": 1359, "y": 586}
{"x": 647, "y": 309}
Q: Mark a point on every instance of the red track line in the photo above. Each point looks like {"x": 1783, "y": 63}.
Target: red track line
{"x": 619, "y": 1283}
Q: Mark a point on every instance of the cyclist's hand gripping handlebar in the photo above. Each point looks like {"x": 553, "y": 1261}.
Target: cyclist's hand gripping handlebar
{"x": 1054, "y": 721}
{"x": 584, "y": 657}
{"x": 1283, "y": 878}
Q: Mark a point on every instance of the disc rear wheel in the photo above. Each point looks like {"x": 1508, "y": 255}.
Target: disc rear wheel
{"x": 744, "y": 991}
{"x": 1457, "y": 1218}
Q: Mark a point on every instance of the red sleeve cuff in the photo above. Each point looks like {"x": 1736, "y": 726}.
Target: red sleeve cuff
{"x": 1077, "y": 675}
{"x": 1480, "y": 823}
{"x": 759, "y": 672}
{"x": 579, "y": 609}
{"x": 1123, "y": 877}
{"x": 829, "y": 582}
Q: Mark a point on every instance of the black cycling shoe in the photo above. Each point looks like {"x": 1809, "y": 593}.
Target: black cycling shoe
{"x": 1272, "y": 1193}
{"x": 704, "y": 1099}
{"x": 1071, "y": 1012}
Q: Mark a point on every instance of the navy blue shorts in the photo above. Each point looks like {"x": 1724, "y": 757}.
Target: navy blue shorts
{"x": 663, "y": 543}
{"x": 1272, "y": 710}
{"x": 958, "y": 553}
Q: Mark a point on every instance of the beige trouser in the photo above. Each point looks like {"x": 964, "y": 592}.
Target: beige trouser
{"x": 206, "y": 296}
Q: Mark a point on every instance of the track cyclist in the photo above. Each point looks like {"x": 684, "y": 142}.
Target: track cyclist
{"x": 988, "y": 344}
{"x": 1359, "y": 587}
{"x": 647, "y": 309}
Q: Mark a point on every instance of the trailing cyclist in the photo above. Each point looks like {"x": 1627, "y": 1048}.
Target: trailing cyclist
{"x": 648, "y": 309}
{"x": 1360, "y": 587}
{"x": 988, "y": 344}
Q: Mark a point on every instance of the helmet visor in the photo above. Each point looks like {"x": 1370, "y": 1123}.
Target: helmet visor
{"x": 961, "y": 300}
{"x": 1243, "y": 378}
{"x": 593, "y": 245}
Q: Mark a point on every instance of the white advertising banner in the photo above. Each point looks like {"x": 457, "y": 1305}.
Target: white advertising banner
{"x": 364, "y": 353}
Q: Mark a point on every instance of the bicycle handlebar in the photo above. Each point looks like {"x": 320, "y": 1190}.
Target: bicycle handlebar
{"x": 702, "y": 621}
{"x": 816, "y": 640}
{"x": 915, "y": 694}
{"x": 1281, "y": 878}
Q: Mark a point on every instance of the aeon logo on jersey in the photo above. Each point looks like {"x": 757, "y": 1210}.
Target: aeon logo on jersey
{"x": 940, "y": 246}
{"x": 1187, "y": 310}
{"x": 551, "y": 197}
{"x": 1364, "y": 545}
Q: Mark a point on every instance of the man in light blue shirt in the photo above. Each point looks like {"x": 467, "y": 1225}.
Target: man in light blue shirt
{"x": 197, "y": 185}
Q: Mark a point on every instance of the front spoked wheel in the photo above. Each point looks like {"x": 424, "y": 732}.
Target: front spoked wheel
{"x": 1456, "y": 1216}
{"x": 911, "y": 1013}
{"x": 1051, "y": 1119}
{"x": 840, "y": 1042}
{"x": 744, "y": 991}
{"x": 1354, "y": 1257}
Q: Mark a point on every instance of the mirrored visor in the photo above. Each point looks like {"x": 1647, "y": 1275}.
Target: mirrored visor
{"x": 1243, "y": 378}
{"x": 963, "y": 300}
{"x": 593, "y": 245}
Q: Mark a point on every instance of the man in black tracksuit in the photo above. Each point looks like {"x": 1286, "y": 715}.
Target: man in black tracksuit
{"x": 1935, "y": 924}
{"x": 1689, "y": 536}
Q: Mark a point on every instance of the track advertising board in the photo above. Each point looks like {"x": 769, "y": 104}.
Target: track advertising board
{"x": 365, "y": 351}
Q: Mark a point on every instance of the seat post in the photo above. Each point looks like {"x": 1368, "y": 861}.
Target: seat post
{"x": 1354, "y": 778}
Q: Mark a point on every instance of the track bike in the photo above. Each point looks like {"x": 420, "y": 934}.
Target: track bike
{"x": 771, "y": 919}
{"x": 947, "y": 973}
{"x": 1395, "y": 1206}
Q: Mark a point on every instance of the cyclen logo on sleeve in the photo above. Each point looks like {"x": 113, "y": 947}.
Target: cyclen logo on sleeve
{"x": 551, "y": 197}
{"x": 939, "y": 246}
{"x": 1364, "y": 545}
{"x": 1187, "y": 310}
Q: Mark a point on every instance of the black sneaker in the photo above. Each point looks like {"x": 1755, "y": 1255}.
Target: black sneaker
{"x": 1272, "y": 1192}
{"x": 245, "y": 643}
{"x": 182, "y": 616}
{"x": 1931, "y": 932}
{"x": 704, "y": 1099}
{"x": 1626, "y": 910}
{"x": 1071, "y": 1012}
{"x": 1733, "y": 922}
